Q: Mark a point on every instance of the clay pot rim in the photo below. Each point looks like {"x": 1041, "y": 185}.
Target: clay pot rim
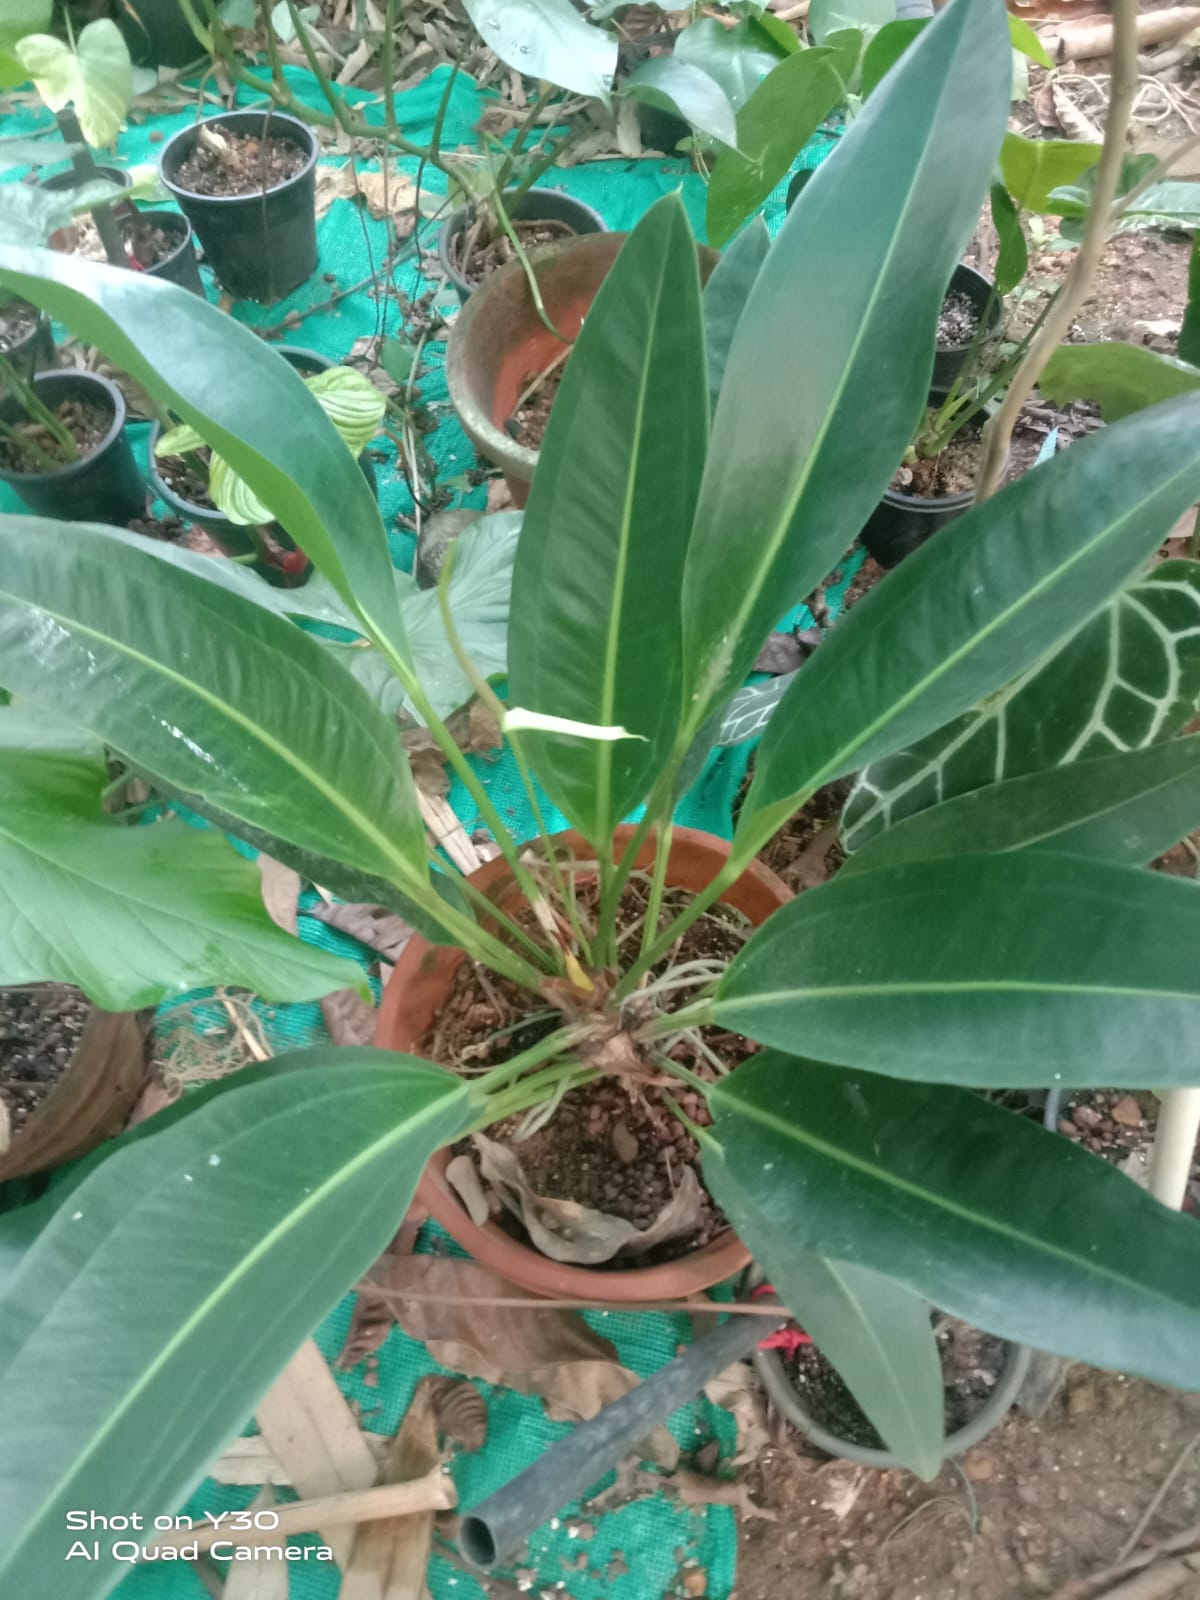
{"x": 722, "y": 1258}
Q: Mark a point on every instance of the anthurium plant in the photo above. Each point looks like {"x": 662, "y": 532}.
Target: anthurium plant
{"x": 857, "y": 1154}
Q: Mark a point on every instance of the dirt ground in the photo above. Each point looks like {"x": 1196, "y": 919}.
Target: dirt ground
{"x": 1038, "y": 1503}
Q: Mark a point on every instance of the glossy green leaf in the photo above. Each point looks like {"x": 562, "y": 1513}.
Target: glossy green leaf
{"x": 773, "y": 127}
{"x": 96, "y": 76}
{"x": 1189, "y": 333}
{"x": 131, "y": 915}
{"x": 979, "y": 602}
{"x": 737, "y": 58}
{"x": 595, "y": 632}
{"x": 846, "y": 45}
{"x": 1129, "y": 678}
{"x": 997, "y": 970}
{"x": 687, "y": 90}
{"x": 1127, "y": 808}
{"x": 186, "y": 353}
{"x": 548, "y": 39}
{"x": 206, "y": 691}
{"x": 35, "y": 152}
{"x": 233, "y": 1230}
{"x": 1012, "y": 260}
{"x": 831, "y": 16}
{"x": 1120, "y": 378}
{"x": 875, "y": 1334}
{"x": 781, "y": 34}
{"x": 886, "y": 48}
{"x": 1025, "y": 39}
{"x": 1033, "y": 168}
{"x": 725, "y": 296}
{"x": 853, "y": 283}
{"x": 988, "y": 1216}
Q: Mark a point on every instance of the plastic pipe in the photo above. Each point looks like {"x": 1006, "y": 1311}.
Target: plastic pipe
{"x": 1174, "y": 1145}
{"x": 497, "y": 1528}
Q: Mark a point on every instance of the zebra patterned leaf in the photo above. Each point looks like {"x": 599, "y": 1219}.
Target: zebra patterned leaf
{"x": 1128, "y": 679}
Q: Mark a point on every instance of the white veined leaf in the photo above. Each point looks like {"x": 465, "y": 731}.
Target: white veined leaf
{"x": 96, "y": 77}
{"x": 175, "y": 441}
{"x": 233, "y": 496}
{"x": 517, "y": 718}
{"x": 351, "y": 402}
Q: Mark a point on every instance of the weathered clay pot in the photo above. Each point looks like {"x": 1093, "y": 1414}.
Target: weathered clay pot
{"x": 89, "y": 1103}
{"x": 498, "y": 338}
{"x": 418, "y": 987}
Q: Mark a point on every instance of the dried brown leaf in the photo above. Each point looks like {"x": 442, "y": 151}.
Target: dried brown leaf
{"x": 333, "y": 183}
{"x": 1072, "y": 119}
{"x": 564, "y": 1230}
{"x": 348, "y": 1018}
{"x": 463, "y": 1176}
{"x": 540, "y": 1350}
{"x": 280, "y": 892}
{"x": 390, "y": 1557}
{"x": 738, "y": 1391}
{"x": 460, "y": 1412}
{"x": 393, "y": 192}
{"x": 382, "y": 930}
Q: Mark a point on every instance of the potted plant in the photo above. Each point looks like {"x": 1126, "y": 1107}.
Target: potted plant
{"x": 199, "y": 487}
{"x": 473, "y": 242}
{"x": 852, "y": 1153}
{"x": 63, "y": 447}
{"x": 25, "y": 338}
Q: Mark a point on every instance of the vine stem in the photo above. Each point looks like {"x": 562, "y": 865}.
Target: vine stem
{"x": 1124, "y": 83}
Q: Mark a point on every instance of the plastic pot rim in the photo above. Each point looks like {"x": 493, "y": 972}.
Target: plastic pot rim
{"x": 964, "y": 271}
{"x": 161, "y": 215}
{"x": 71, "y": 469}
{"x": 190, "y": 133}
{"x": 770, "y": 1368}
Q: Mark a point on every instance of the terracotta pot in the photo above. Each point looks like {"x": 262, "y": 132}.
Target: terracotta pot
{"x": 89, "y": 1103}
{"x": 498, "y": 339}
{"x": 418, "y": 987}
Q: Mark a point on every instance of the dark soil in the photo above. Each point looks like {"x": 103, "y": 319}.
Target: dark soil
{"x": 40, "y": 1028}
{"x": 527, "y": 425}
{"x": 484, "y": 255}
{"x": 180, "y": 475}
{"x": 613, "y": 1145}
{"x": 971, "y": 1363}
{"x": 952, "y": 471}
{"x": 808, "y": 851}
{"x": 147, "y": 242}
{"x": 18, "y": 319}
{"x": 87, "y": 422}
{"x": 172, "y": 530}
{"x": 245, "y": 166}
{"x": 958, "y": 320}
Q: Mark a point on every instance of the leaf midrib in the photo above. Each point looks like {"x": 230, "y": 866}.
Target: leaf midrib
{"x": 969, "y": 986}
{"x": 343, "y": 1174}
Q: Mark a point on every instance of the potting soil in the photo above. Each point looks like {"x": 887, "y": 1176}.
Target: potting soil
{"x": 637, "y": 1551}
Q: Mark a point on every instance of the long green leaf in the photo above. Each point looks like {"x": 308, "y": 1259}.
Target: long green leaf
{"x": 806, "y": 436}
{"x": 687, "y": 91}
{"x": 986, "y": 1215}
{"x": 241, "y": 396}
{"x": 180, "y": 1275}
{"x": 725, "y": 296}
{"x": 1128, "y": 678}
{"x": 206, "y": 691}
{"x": 1120, "y": 378}
{"x": 595, "y": 630}
{"x": 1000, "y": 970}
{"x": 773, "y": 126}
{"x": 978, "y": 603}
{"x": 736, "y": 58}
{"x": 886, "y": 48}
{"x": 875, "y": 1334}
{"x": 132, "y": 915}
{"x": 1189, "y": 333}
{"x": 1127, "y": 808}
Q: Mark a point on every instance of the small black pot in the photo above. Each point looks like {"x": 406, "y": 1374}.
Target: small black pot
{"x": 180, "y": 266}
{"x": 901, "y": 523}
{"x": 61, "y": 238}
{"x": 157, "y": 33}
{"x": 949, "y": 359}
{"x": 234, "y": 538}
{"x": 36, "y": 351}
{"x": 105, "y": 486}
{"x": 261, "y": 246}
{"x": 540, "y": 205}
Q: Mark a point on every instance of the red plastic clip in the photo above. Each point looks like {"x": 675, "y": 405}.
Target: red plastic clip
{"x": 787, "y": 1339}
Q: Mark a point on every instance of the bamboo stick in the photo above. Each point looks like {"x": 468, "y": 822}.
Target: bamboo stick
{"x": 1083, "y": 41}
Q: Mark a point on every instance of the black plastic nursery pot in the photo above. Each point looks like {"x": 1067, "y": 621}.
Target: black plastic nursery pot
{"x": 63, "y": 238}
{"x": 180, "y": 266}
{"x": 535, "y": 205}
{"x": 103, "y": 486}
{"x": 157, "y": 34}
{"x": 34, "y": 350}
{"x": 949, "y": 359}
{"x": 262, "y": 245}
{"x": 901, "y": 523}
{"x": 772, "y": 1371}
{"x": 235, "y": 539}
